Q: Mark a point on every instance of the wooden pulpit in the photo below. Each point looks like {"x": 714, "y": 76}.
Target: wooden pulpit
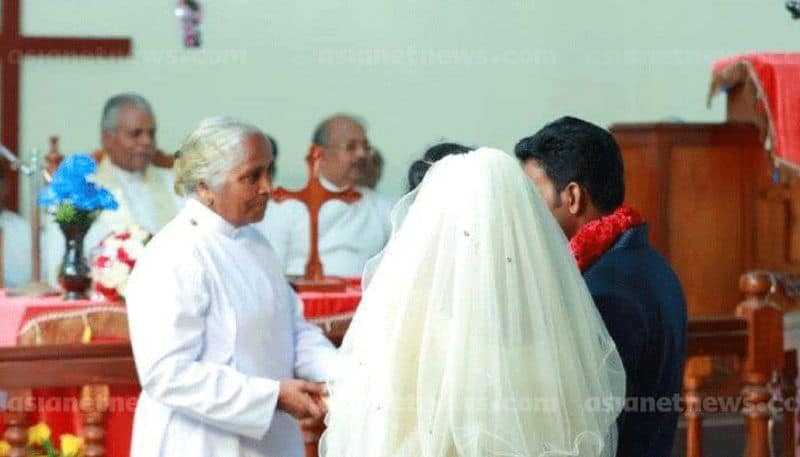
{"x": 698, "y": 187}
{"x": 717, "y": 207}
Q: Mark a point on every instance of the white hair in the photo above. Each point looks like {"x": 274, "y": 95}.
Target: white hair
{"x": 110, "y": 119}
{"x": 210, "y": 152}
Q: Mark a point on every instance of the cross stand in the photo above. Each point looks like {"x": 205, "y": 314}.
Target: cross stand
{"x": 314, "y": 195}
{"x": 33, "y": 170}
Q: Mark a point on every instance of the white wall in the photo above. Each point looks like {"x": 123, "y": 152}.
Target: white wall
{"x": 480, "y": 72}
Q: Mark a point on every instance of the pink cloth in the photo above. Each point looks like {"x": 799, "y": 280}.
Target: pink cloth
{"x": 15, "y": 311}
{"x": 777, "y": 77}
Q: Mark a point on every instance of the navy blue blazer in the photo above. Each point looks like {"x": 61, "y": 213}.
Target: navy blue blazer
{"x": 643, "y": 306}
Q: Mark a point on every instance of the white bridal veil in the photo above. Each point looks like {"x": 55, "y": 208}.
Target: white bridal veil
{"x": 476, "y": 335}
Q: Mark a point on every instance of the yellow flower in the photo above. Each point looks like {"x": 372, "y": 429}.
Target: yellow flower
{"x": 38, "y": 433}
{"x": 71, "y": 445}
{"x": 4, "y": 448}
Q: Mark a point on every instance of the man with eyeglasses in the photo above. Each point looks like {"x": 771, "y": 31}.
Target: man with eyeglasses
{"x": 349, "y": 234}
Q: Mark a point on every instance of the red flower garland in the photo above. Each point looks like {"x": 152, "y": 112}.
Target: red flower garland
{"x": 596, "y": 237}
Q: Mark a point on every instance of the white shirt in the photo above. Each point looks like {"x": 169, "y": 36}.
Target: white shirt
{"x": 146, "y": 199}
{"x": 214, "y": 325}
{"x": 16, "y": 249}
{"x": 349, "y": 234}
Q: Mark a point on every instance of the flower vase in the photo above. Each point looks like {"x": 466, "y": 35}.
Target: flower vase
{"x": 74, "y": 274}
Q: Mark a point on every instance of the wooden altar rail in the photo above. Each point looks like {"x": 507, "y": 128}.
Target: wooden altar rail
{"x": 94, "y": 366}
{"x": 754, "y": 335}
{"x": 778, "y": 290}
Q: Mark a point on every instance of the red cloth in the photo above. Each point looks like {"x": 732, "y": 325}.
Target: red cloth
{"x": 324, "y": 305}
{"x": 777, "y": 75}
{"x": 318, "y": 307}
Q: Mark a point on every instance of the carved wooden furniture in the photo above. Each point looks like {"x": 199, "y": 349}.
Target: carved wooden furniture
{"x": 717, "y": 207}
{"x": 782, "y": 291}
{"x": 76, "y": 327}
{"x": 22, "y": 368}
{"x": 755, "y": 335}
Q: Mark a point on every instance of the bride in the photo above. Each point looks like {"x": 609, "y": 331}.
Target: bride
{"x": 476, "y": 335}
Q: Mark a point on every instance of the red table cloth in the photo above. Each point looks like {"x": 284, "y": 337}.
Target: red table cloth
{"x": 776, "y": 77}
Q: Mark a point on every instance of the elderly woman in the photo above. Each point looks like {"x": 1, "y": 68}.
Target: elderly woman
{"x": 217, "y": 333}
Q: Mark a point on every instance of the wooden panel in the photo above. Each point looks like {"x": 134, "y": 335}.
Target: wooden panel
{"x": 66, "y": 365}
{"x": 778, "y": 245}
{"x": 644, "y": 182}
{"x": 707, "y": 245}
{"x": 772, "y": 220}
{"x": 697, "y": 187}
{"x": 717, "y": 336}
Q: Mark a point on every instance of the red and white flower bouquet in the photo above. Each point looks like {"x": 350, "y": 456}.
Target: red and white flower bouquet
{"x": 113, "y": 261}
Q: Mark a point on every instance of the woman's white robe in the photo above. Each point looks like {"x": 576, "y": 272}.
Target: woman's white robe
{"x": 214, "y": 325}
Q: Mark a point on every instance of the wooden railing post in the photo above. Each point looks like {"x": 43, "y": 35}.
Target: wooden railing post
{"x": 789, "y": 394}
{"x": 764, "y": 358}
{"x": 707, "y": 337}
{"x": 62, "y": 366}
{"x": 16, "y": 424}
{"x": 94, "y": 404}
{"x": 693, "y": 415}
{"x": 756, "y": 413}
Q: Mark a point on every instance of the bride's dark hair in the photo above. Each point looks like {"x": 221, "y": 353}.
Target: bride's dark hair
{"x": 435, "y": 153}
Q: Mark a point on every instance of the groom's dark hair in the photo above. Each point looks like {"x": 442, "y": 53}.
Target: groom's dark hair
{"x": 573, "y": 150}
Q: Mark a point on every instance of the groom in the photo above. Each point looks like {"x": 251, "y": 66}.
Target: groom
{"x": 578, "y": 169}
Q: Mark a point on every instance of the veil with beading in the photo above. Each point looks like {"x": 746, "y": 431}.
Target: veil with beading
{"x": 476, "y": 335}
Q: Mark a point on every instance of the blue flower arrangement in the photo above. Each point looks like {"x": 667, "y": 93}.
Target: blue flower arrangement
{"x": 75, "y": 198}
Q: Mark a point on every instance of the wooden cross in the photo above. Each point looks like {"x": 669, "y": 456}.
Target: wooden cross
{"x": 13, "y": 46}
{"x": 314, "y": 195}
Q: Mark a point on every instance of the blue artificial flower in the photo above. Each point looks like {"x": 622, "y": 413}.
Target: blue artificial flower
{"x": 49, "y": 197}
{"x": 66, "y": 187}
{"x": 76, "y": 165}
{"x": 106, "y": 200}
{"x": 70, "y": 185}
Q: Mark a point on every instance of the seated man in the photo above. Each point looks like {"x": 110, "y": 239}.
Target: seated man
{"x": 144, "y": 192}
{"x": 349, "y": 234}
